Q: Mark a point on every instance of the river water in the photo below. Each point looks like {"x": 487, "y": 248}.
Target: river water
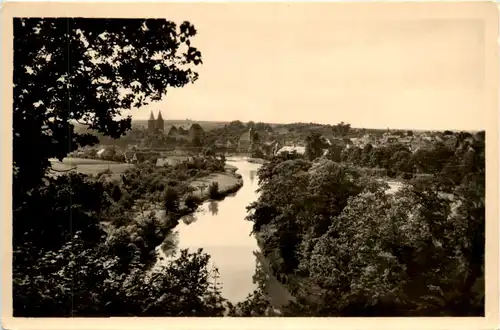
{"x": 221, "y": 230}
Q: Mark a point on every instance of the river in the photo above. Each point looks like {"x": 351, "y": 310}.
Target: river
{"x": 221, "y": 230}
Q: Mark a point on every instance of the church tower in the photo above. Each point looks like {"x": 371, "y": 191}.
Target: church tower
{"x": 251, "y": 136}
{"x": 160, "y": 124}
{"x": 151, "y": 123}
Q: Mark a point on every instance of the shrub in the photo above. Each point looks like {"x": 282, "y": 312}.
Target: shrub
{"x": 192, "y": 201}
{"x": 213, "y": 190}
{"x": 171, "y": 199}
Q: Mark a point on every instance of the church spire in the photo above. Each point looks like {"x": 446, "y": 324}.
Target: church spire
{"x": 151, "y": 116}
{"x": 160, "y": 123}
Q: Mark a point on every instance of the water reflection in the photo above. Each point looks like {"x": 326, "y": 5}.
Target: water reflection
{"x": 223, "y": 233}
{"x": 260, "y": 276}
{"x": 252, "y": 176}
{"x": 213, "y": 207}
{"x": 278, "y": 294}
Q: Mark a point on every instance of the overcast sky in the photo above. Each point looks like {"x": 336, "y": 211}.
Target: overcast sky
{"x": 321, "y": 63}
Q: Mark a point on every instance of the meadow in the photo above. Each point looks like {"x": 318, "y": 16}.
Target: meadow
{"x": 87, "y": 166}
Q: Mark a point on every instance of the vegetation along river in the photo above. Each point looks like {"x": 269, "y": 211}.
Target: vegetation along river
{"x": 220, "y": 228}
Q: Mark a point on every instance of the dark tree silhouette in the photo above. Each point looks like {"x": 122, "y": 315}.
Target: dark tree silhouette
{"x": 314, "y": 145}
{"x": 87, "y": 71}
{"x": 80, "y": 249}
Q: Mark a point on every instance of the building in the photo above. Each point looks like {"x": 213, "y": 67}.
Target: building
{"x": 104, "y": 153}
{"x": 386, "y": 139}
{"x": 340, "y": 142}
{"x": 406, "y": 140}
{"x": 156, "y": 125}
{"x": 245, "y": 141}
{"x": 176, "y": 133}
{"x": 298, "y": 149}
{"x": 160, "y": 123}
{"x": 196, "y": 132}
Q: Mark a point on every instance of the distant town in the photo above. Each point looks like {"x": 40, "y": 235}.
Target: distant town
{"x": 158, "y": 138}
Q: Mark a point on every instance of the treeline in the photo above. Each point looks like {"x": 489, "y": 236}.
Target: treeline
{"x": 345, "y": 247}
{"x": 111, "y": 153}
{"x": 450, "y": 161}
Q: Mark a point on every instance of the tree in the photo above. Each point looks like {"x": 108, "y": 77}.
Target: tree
{"x": 406, "y": 254}
{"x": 335, "y": 153}
{"x": 171, "y": 200}
{"x": 314, "y": 145}
{"x": 209, "y": 151}
{"x": 341, "y": 129}
{"x": 80, "y": 70}
{"x": 93, "y": 253}
{"x": 77, "y": 281}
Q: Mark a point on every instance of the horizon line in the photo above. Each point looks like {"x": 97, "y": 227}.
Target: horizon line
{"x": 322, "y": 124}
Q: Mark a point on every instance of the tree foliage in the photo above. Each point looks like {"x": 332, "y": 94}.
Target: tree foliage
{"x": 82, "y": 245}
{"x": 69, "y": 70}
{"x": 354, "y": 249}
{"x": 314, "y": 146}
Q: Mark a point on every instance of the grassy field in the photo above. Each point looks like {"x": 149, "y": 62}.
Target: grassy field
{"x": 88, "y": 166}
{"x": 94, "y": 166}
{"x": 228, "y": 183}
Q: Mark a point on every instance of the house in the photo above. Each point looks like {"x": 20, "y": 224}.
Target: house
{"x": 357, "y": 142}
{"x": 196, "y": 131}
{"x": 104, "y": 153}
{"x": 245, "y": 141}
{"x": 406, "y": 140}
{"x": 331, "y": 140}
{"x": 389, "y": 139}
{"x": 177, "y": 133}
{"x": 298, "y": 149}
{"x": 417, "y": 144}
{"x": 173, "y": 132}
{"x": 220, "y": 144}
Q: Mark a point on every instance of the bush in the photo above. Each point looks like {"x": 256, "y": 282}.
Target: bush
{"x": 213, "y": 190}
{"x": 171, "y": 199}
{"x": 192, "y": 201}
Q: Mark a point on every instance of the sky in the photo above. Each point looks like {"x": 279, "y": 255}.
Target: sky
{"x": 325, "y": 63}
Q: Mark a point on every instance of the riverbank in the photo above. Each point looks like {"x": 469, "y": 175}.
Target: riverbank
{"x": 256, "y": 160}
{"x": 279, "y": 295}
{"x": 229, "y": 182}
